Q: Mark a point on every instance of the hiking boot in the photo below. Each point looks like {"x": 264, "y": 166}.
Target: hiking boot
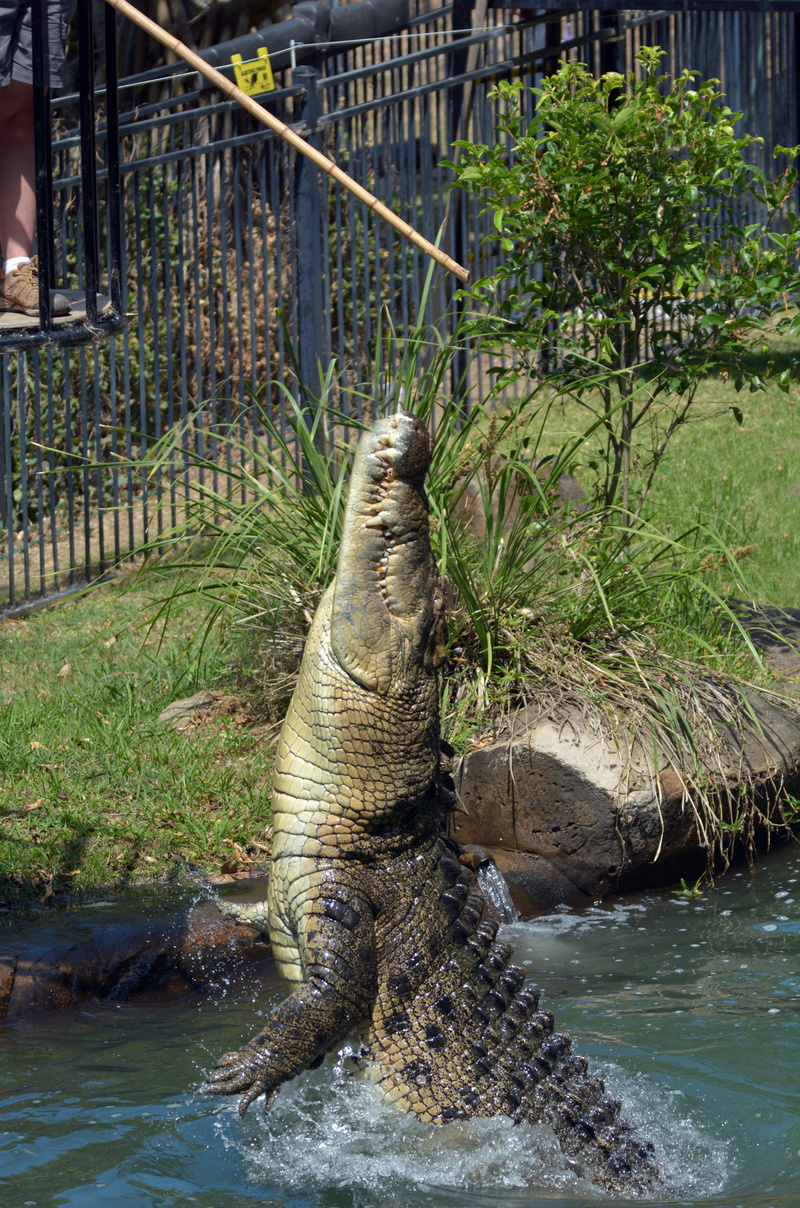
{"x": 21, "y": 293}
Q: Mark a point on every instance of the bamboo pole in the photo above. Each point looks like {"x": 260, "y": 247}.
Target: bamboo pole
{"x": 286, "y": 133}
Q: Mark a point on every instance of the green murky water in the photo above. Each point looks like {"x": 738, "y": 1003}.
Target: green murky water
{"x": 689, "y": 1010}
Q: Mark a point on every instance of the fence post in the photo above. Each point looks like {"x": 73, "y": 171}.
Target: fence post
{"x": 611, "y": 52}
{"x": 44, "y": 163}
{"x": 308, "y": 201}
{"x": 458, "y": 116}
{"x": 5, "y": 484}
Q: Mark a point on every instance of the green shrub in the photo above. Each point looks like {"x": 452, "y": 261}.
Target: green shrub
{"x": 633, "y": 267}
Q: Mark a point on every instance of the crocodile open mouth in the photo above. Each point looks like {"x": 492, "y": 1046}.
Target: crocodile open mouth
{"x": 401, "y": 448}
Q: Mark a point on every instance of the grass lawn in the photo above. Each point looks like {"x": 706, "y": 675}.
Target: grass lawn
{"x": 93, "y": 789}
{"x": 744, "y": 480}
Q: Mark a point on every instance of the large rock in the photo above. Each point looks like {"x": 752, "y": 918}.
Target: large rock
{"x": 145, "y": 963}
{"x": 604, "y": 814}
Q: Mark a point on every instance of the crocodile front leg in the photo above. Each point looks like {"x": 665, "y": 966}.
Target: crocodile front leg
{"x": 338, "y": 955}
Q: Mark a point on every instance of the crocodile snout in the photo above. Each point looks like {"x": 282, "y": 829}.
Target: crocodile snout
{"x": 401, "y": 442}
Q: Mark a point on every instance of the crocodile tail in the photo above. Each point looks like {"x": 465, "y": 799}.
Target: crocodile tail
{"x": 469, "y": 1038}
{"x": 519, "y": 1065}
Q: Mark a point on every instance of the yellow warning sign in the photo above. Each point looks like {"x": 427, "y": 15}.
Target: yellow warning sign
{"x": 255, "y": 76}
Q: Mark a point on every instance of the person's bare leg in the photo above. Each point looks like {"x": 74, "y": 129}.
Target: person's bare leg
{"x": 17, "y": 170}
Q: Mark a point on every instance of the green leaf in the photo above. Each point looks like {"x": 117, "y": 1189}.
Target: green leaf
{"x": 602, "y": 121}
{"x": 623, "y": 117}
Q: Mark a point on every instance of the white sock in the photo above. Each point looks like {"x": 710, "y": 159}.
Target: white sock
{"x": 11, "y": 266}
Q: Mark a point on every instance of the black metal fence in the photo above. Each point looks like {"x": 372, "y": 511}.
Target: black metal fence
{"x": 242, "y": 263}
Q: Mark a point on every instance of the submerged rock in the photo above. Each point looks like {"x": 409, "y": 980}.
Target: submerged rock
{"x": 149, "y": 963}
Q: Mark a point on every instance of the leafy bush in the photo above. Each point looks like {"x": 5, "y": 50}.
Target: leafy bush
{"x": 633, "y": 264}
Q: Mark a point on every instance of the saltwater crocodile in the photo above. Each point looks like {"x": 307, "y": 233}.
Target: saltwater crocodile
{"x": 370, "y": 916}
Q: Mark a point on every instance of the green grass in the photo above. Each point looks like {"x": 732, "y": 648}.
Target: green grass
{"x": 744, "y": 480}
{"x": 94, "y": 791}
{"x": 741, "y": 480}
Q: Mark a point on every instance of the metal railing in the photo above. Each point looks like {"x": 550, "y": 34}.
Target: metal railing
{"x": 243, "y": 264}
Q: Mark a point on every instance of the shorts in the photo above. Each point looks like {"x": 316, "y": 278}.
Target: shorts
{"x": 16, "y": 40}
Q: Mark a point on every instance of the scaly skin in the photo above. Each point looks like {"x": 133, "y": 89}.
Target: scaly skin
{"x": 370, "y": 917}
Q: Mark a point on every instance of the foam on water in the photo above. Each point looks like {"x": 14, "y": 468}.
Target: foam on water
{"x": 332, "y": 1129}
{"x": 694, "y": 1159}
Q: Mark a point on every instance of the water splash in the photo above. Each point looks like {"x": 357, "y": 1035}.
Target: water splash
{"x": 493, "y": 886}
{"x": 330, "y": 1129}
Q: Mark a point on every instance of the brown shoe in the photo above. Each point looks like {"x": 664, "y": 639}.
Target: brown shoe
{"x": 21, "y": 292}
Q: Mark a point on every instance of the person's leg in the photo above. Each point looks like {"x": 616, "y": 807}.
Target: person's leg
{"x": 20, "y": 289}
{"x": 17, "y": 170}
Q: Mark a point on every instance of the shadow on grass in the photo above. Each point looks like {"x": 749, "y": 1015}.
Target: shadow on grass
{"x": 54, "y": 876}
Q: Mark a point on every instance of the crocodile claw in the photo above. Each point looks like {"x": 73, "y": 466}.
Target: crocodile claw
{"x": 242, "y": 1071}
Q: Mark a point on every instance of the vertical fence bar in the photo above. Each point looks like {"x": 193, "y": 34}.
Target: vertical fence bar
{"x": 44, "y": 162}
{"x": 113, "y": 163}
{"x": 6, "y": 527}
{"x": 5, "y": 449}
{"x": 88, "y": 158}
{"x": 308, "y": 208}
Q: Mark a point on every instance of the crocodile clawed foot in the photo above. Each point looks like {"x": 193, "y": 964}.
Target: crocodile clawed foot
{"x": 242, "y": 1071}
